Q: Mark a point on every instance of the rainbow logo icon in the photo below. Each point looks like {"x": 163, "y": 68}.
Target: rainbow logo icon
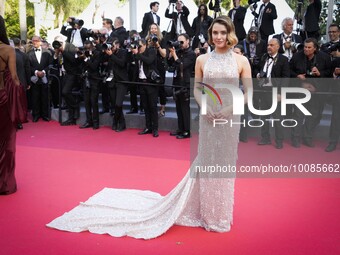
{"x": 213, "y": 94}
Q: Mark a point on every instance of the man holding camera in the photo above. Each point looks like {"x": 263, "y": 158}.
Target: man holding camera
{"x": 308, "y": 66}
{"x": 180, "y": 23}
{"x": 118, "y": 72}
{"x": 65, "y": 53}
{"x": 183, "y": 60}
{"x": 90, "y": 59}
{"x": 274, "y": 73}
{"x": 76, "y": 34}
{"x": 289, "y": 42}
{"x": 265, "y": 18}
{"x": 333, "y": 45}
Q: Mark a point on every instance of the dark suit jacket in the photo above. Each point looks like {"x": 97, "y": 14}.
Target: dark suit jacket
{"x": 312, "y": 16}
{"x": 188, "y": 58}
{"x": 92, "y": 64}
{"x": 119, "y": 33}
{"x": 184, "y": 18}
{"x": 149, "y": 59}
{"x": 68, "y": 33}
{"x": 267, "y": 23}
{"x": 239, "y": 16}
{"x": 118, "y": 63}
{"x": 280, "y": 71}
{"x": 298, "y": 65}
{"x": 295, "y": 38}
{"x": 147, "y": 21}
{"x": 261, "y": 49}
{"x": 23, "y": 67}
{"x": 71, "y": 64}
{"x": 45, "y": 61}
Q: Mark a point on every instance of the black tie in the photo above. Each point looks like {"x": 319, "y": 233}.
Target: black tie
{"x": 287, "y": 37}
{"x": 270, "y": 57}
{"x": 37, "y": 49}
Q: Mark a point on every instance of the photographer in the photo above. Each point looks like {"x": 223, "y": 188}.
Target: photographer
{"x": 90, "y": 59}
{"x": 146, "y": 59}
{"x": 77, "y": 34}
{"x": 180, "y": 23}
{"x": 200, "y": 26}
{"x": 289, "y": 42}
{"x": 237, "y": 15}
{"x": 311, "y": 20}
{"x": 65, "y": 52}
{"x": 150, "y": 18}
{"x": 265, "y": 18}
{"x": 183, "y": 60}
{"x": 333, "y": 45}
{"x": 118, "y": 72}
{"x": 155, "y": 40}
{"x": 308, "y": 66}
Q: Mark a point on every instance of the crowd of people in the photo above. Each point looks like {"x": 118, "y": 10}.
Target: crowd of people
{"x": 112, "y": 61}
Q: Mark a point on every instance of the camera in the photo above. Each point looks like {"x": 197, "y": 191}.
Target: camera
{"x": 154, "y": 38}
{"x": 263, "y": 79}
{"x": 330, "y": 47}
{"x": 184, "y": 91}
{"x": 106, "y": 46}
{"x": 56, "y": 45}
{"x": 174, "y": 44}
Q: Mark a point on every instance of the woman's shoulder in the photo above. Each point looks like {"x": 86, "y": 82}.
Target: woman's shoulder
{"x": 203, "y": 58}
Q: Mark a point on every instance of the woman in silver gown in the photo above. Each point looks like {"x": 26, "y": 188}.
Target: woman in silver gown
{"x": 200, "y": 199}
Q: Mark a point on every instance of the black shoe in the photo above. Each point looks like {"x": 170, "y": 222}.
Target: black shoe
{"x": 184, "y": 135}
{"x": 264, "y": 141}
{"x": 132, "y": 111}
{"x": 279, "y": 145}
{"x": 103, "y": 111}
{"x": 142, "y": 112}
{"x": 120, "y": 127}
{"x": 35, "y": 119}
{"x": 95, "y": 126}
{"x": 308, "y": 143}
{"x": 176, "y": 133}
{"x": 296, "y": 142}
{"x": 46, "y": 119}
{"x": 243, "y": 139}
{"x": 155, "y": 133}
{"x": 19, "y": 126}
{"x": 331, "y": 147}
{"x": 86, "y": 125}
{"x": 145, "y": 131}
{"x": 69, "y": 122}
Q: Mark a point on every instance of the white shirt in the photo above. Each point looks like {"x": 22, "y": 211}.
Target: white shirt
{"x": 154, "y": 17}
{"x": 142, "y": 75}
{"x": 76, "y": 38}
{"x": 179, "y": 26}
{"x": 268, "y": 66}
{"x": 38, "y": 53}
{"x": 287, "y": 38}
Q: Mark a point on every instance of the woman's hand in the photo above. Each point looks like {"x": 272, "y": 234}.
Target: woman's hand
{"x": 224, "y": 113}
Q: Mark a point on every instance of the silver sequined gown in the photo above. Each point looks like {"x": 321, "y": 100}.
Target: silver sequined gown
{"x": 198, "y": 201}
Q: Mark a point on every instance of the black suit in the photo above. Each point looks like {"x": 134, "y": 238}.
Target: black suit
{"x": 312, "y": 16}
{"x": 71, "y": 79}
{"x": 267, "y": 22}
{"x": 200, "y": 27}
{"x": 279, "y": 78}
{"x": 294, "y": 40}
{"x": 117, "y": 90}
{"x": 119, "y": 33}
{"x": 147, "y": 21}
{"x": 184, "y": 18}
{"x": 69, "y": 33}
{"x": 23, "y": 68}
{"x": 334, "y": 131}
{"x": 300, "y": 65}
{"x": 149, "y": 94}
{"x": 184, "y": 66}
{"x": 39, "y": 90}
{"x": 240, "y": 14}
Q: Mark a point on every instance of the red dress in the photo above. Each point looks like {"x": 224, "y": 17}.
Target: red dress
{"x": 12, "y": 111}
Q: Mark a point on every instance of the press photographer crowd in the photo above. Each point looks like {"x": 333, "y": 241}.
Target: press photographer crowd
{"x": 113, "y": 62}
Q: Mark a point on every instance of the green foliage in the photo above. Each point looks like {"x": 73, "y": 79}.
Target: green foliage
{"x": 68, "y": 8}
{"x": 12, "y": 18}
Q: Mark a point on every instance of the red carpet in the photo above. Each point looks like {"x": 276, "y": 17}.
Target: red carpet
{"x": 58, "y": 167}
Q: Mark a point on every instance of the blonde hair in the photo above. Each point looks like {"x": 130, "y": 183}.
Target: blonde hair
{"x": 229, "y": 25}
{"x": 159, "y": 34}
